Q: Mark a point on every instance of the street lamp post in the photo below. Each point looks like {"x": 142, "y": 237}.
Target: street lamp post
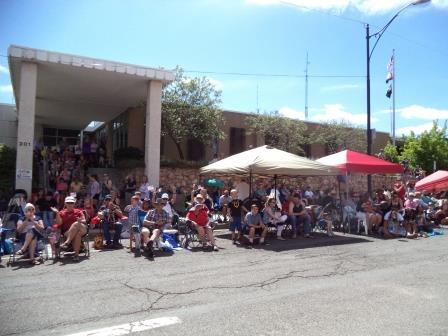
{"x": 378, "y": 35}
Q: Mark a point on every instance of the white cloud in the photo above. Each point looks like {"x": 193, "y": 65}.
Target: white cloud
{"x": 337, "y": 112}
{"x": 422, "y": 112}
{"x": 6, "y": 88}
{"x": 289, "y": 112}
{"x": 4, "y": 69}
{"x": 419, "y": 129}
{"x": 216, "y": 83}
{"x": 340, "y": 87}
{"x": 364, "y": 6}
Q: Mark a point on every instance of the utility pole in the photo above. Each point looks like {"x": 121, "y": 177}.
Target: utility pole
{"x": 306, "y": 87}
{"x": 393, "y": 97}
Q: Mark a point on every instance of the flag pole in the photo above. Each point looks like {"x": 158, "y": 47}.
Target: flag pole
{"x": 393, "y": 97}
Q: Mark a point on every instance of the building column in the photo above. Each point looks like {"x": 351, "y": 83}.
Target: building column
{"x": 25, "y": 127}
{"x": 152, "y": 131}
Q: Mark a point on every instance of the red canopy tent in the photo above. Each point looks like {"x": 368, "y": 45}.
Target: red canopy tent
{"x": 349, "y": 161}
{"x": 437, "y": 181}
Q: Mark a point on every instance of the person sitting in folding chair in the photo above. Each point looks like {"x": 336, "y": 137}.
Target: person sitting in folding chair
{"x": 30, "y": 229}
{"x": 110, "y": 215}
{"x": 273, "y": 217}
{"x": 153, "y": 224}
{"x": 198, "y": 215}
{"x": 73, "y": 225}
{"x": 255, "y": 224}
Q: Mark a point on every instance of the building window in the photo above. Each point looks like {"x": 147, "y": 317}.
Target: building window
{"x": 120, "y": 132}
{"x": 237, "y": 141}
{"x": 307, "y": 150}
{"x": 195, "y": 150}
{"x": 54, "y": 136}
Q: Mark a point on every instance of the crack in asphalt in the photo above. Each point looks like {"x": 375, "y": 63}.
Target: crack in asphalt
{"x": 339, "y": 269}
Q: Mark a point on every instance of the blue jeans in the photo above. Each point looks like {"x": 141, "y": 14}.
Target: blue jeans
{"x": 47, "y": 217}
{"x": 106, "y": 232}
{"x": 296, "y": 220}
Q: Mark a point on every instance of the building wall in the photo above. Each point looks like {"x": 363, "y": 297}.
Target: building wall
{"x": 8, "y": 125}
{"x": 230, "y": 120}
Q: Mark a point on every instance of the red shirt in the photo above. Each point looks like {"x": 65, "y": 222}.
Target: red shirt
{"x": 68, "y": 218}
{"x": 201, "y": 217}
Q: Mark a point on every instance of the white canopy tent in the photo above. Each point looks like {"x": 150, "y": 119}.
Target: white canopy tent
{"x": 267, "y": 160}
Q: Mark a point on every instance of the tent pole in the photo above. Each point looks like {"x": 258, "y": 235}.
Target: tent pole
{"x": 275, "y": 188}
{"x": 346, "y": 185}
{"x": 250, "y": 183}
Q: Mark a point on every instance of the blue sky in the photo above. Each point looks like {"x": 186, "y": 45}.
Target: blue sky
{"x": 258, "y": 37}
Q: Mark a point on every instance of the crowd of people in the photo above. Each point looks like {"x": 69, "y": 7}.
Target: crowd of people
{"x": 76, "y": 202}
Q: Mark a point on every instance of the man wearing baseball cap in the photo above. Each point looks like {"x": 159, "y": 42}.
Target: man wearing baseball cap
{"x": 73, "y": 225}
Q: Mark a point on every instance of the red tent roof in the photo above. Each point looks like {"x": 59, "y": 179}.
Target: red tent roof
{"x": 437, "y": 181}
{"x": 355, "y": 162}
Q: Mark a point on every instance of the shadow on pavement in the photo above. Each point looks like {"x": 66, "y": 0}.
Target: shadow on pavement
{"x": 299, "y": 243}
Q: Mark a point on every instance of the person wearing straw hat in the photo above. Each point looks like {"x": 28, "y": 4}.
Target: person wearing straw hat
{"x": 153, "y": 224}
{"x": 198, "y": 215}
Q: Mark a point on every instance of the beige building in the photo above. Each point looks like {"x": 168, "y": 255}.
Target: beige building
{"x": 238, "y": 138}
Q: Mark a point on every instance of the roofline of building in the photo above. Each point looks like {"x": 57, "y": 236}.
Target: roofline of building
{"x": 39, "y": 55}
{"x": 305, "y": 121}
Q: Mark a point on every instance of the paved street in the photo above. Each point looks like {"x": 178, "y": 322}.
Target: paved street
{"x": 349, "y": 285}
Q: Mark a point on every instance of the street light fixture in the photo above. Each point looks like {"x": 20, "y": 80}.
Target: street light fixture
{"x": 378, "y": 35}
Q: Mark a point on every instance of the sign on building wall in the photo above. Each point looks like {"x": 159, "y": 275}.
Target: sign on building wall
{"x": 24, "y": 174}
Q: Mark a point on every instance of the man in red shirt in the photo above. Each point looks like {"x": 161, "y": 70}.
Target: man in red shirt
{"x": 73, "y": 225}
{"x": 198, "y": 215}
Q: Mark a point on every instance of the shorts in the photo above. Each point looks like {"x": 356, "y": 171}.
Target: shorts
{"x": 235, "y": 224}
{"x": 397, "y": 229}
{"x": 258, "y": 231}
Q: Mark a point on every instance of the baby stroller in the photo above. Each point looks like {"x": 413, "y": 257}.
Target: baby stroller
{"x": 324, "y": 219}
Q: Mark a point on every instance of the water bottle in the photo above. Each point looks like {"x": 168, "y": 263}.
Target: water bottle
{"x": 49, "y": 251}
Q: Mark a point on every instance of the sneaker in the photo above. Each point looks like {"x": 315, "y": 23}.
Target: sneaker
{"x": 280, "y": 238}
{"x": 215, "y": 248}
{"x": 234, "y": 242}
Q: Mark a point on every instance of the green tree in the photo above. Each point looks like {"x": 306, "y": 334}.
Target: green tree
{"x": 283, "y": 133}
{"x": 424, "y": 149}
{"x": 190, "y": 111}
{"x": 391, "y": 153}
{"x": 339, "y": 135}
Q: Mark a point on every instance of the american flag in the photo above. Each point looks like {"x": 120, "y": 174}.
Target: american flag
{"x": 390, "y": 70}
